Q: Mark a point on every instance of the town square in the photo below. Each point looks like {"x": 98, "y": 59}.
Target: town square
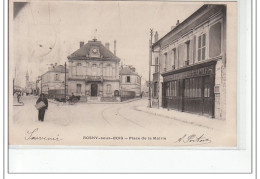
{"x": 108, "y": 79}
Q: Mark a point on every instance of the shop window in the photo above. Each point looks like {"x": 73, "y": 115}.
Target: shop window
{"x": 173, "y": 88}
{"x": 202, "y": 47}
{"x": 206, "y": 91}
{"x": 193, "y": 87}
{"x": 168, "y": 89}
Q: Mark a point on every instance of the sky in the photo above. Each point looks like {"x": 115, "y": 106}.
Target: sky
{"x": 45, "y": 33}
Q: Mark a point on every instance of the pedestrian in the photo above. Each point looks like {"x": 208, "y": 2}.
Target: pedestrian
{"x": 41, "y": 112}
{"x": 141, "y": 95}
{"x": 18, "y": 97}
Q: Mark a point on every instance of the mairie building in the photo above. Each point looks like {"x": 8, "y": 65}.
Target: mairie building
{"x": 94, "y": 72}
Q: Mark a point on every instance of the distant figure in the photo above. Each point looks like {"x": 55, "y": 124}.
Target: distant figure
{"x": 18, "y": 97}
{"x": 141, "y": 95}
{"x": 42, "y": 110}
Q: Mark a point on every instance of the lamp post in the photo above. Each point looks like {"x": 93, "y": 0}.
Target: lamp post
{"x": 150, "y": 63}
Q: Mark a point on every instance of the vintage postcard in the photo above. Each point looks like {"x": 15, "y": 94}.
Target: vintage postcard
{"x": 123, "y": 73}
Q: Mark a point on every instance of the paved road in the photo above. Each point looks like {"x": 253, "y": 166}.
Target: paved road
{"x": 119, "y": 120}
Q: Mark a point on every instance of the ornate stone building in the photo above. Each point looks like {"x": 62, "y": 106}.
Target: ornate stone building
{"x": 191, "y": 59}
{"x": 93, "y": 72}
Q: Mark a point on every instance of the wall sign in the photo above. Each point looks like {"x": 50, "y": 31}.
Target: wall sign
{"x": 209, "y": 70}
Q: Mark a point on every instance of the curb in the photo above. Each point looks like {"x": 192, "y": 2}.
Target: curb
{"x": 176, "y": 118}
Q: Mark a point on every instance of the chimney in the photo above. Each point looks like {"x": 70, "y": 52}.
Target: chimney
{"x": 178, "y": 22}
{"x": 115, "y": 47}
{"x": 81, "y": 44}
{"x": 133, "y": 69}
{"x": 107, "y": 45}
{"x": 156, "y": 36}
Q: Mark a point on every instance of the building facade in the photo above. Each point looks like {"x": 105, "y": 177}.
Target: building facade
{"x": 93, "y": 71}
{"x": 191, "y": 58}
{"x": 54, "y": 80}
{"x": 30, "y": 88}
{"x": 130, "y": 80}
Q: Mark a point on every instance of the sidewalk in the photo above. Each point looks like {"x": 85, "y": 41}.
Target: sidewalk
{"x": 185, "y": 117}
{"x": 99, "y": 102}
{"x": 94, "y": 102}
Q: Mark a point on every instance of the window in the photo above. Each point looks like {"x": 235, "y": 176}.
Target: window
{"x": 174, "y": 58}
{"x": 187, "y": 51}
{"x": 155, "y": 89}
{"x": 79, "y": 69}
{"x": 202, "y": 47}
{"x": 193, "y": 87}
{"x": 206, "y": 91}
{"x": 166, "y": 61}
{"x": 128, "y": 79}
{"x": 56, "y": 77}
{"x": 108, "y": 88}
{"x": 168, "y": 89}
{"x": 78, "y": 88}
{"x": 109, "y": 70}
{"x": 156, "y": 64}
{"x": 94, "y": 70}
{"x": 173, "y": 88}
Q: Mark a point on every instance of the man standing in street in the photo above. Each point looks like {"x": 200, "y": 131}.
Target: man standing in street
{"x": 41, "y": 112}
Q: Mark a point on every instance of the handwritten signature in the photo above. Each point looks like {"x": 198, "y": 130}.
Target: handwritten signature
{"x": 193, "y": 138}
{"x": 32, "y": 135}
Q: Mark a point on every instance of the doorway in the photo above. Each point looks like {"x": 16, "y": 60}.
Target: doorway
{"x": 94, "y": 88}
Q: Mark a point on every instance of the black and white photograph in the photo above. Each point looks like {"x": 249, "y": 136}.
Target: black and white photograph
{"x": 123, "y": 73}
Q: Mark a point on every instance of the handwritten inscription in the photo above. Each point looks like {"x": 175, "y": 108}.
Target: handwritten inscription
{"x": 32, "y": 135}
{"x": 193, "y": 138}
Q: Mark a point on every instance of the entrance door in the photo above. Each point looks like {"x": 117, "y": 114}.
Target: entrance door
{"x": 94, "y": 88}
{"x": 208, "y": 96}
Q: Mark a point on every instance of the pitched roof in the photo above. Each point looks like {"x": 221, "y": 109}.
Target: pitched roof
{"x": 189, "y": 23}
{"x": 85, "y": 50}
{"x": 127, "y": 71}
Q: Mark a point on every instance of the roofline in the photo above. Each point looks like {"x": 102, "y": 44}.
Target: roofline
{"x": 201, "y": 9}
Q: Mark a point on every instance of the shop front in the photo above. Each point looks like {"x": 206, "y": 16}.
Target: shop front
{"x": 190, "y": 89}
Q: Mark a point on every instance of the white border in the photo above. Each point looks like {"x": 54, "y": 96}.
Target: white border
{"x": 76, "y": 160}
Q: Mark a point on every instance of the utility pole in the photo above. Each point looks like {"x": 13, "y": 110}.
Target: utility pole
{"x": 65, "y": 82}
{"x": 150, "y": 63}
{"x": 41, "y": 84}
